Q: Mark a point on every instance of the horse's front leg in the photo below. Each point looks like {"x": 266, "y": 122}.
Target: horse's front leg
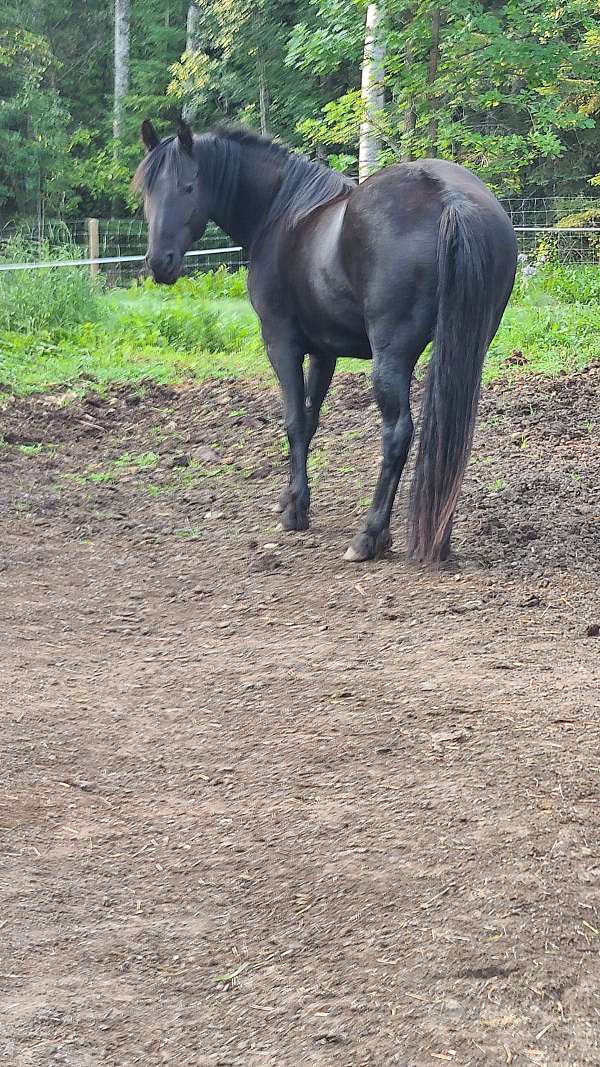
{"x": 318, "y": 380}
{"x": 287, "y": 362}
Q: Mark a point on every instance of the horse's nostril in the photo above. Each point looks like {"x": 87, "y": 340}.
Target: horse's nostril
{"x": 163, "y": 266}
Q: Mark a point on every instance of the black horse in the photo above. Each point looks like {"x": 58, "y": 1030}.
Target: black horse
{"x": 420, "y": 251}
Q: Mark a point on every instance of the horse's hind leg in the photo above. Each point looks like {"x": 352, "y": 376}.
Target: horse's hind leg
{"x": 318, "y": 380}
{"x": 393, "y": 365}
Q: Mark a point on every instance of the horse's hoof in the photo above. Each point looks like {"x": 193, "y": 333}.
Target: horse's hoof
{"x": 294, "y": 518}
{"x": 353, "y": 556}
{"x": 365, "y": 546}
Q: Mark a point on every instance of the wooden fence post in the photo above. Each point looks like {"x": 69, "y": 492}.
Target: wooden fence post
{"x": 93, "y": 245}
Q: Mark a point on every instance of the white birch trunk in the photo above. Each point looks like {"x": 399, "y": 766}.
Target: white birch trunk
{"x": 192, "y": 41}
{"x": 263, "y": 96}
{"x": 122, "y": 20}
{"x": 372, "y": 93}
{"x": 192, "y": 44}
{"x": 261, "y": 73}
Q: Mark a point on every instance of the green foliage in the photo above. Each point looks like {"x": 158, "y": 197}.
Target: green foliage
{"x": 44, "y": 300}
{"x": 332, "y": 38}
{"x": 513, "y": 91}
{"x": 553, "y": 319}
{"x": 552, "y": 283}
{"x": 168, "y": 335}
{"x": 34, "y": 138}
{"x": 56, "y": 72}
{"x": 220, "y": 283}
{"x": 553, "y": 338}
{"x": 339, "y": 123}
{"x": 242, "y": 47}
{"x": 205, "y": 312}
{"x": 145, "y": 332}
{"x": 192, "y": 79}
{"x": 589, "y": 218}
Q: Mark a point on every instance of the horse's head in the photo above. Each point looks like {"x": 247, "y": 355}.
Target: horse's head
{"x": 176, "y": 204}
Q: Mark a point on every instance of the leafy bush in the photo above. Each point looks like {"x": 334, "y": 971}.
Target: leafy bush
{"x": 170, "y": 334}
{"x": 183, "y": 321}
{"x": 544, "y": 283}
{"x": 573, "y": 285}
{"x": 46, "y": 299}
{"x": 220, "y": 283}
{"x": 202, "y": 329}
{"x": 587, "y": 217}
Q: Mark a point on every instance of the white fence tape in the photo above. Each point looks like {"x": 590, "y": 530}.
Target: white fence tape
{"x": 238, "y": 248}
{"x": 109, "y": 259}
{"x": 557, "y": 229}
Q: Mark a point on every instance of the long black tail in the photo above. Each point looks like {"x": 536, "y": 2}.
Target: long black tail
{"x": 467, "y": 318}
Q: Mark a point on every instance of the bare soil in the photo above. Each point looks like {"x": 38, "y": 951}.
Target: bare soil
{"x": 261, "y": 807}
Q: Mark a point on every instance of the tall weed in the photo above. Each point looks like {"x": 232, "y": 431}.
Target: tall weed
{"x": 546, "y": 283}
{"x": 52, "y": 299}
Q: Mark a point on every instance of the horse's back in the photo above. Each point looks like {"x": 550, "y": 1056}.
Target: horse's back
{"x": 392, "y": 223}
{"x": 372, "y": 257}
{"x": 412, "y": 196}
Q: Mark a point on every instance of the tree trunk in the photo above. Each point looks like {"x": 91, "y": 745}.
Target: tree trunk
{"x": 122, "y": 20}
{"x": 261, "y": 71}
{"x": 192, "y": 44}
{"x": 192, "y": 41}
{"x": 410, "y": 116}
{"x": 432, "y": 69}
{"x": 371, "y": 93}
{"x": 263, "y": 95}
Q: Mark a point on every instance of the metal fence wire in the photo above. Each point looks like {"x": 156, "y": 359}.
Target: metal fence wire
{"x": 122, "y": 242}
{"x": 566, "y": 229}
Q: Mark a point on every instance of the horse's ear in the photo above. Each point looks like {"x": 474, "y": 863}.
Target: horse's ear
{"x": 149, "y": 135}
{"x": 185, "y": 136}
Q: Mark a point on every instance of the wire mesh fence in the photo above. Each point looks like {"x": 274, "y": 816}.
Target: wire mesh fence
{"x": 543, "y": 211}
{"x": 565, "y": 229}
{"x": 121, "y": 245}
{"x": 566, "y": 245}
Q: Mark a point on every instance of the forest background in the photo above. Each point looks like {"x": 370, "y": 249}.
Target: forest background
{"x": 509, "y": 88}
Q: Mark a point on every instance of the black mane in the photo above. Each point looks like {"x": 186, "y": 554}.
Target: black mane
{"x": 303, "y": 186}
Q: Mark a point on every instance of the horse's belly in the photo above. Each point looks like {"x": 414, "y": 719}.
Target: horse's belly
{"x": 338, "y": 342}
{"x": 332, "y": 320}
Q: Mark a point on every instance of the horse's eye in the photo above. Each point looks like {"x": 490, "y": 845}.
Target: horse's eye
{"x": 189, "y": 189}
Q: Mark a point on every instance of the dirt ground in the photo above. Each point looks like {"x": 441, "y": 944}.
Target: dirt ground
{"x": 262, "y": 807}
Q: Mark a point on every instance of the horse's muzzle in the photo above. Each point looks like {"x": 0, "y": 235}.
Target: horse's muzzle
{"x": 165, "y": 268}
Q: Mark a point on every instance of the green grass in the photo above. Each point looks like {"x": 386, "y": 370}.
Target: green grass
{"x": 141, "y": 462}
{"x": 553, "y": 337}
{"x": 57, "y": 329}
{"x": 30, "y": 450}
{"x": 39, "y": 300}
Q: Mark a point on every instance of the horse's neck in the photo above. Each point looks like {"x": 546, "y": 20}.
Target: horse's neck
{"x": 257, "y": 185}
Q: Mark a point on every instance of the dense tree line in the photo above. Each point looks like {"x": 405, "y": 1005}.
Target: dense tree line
{"x": 510, "y": 88}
